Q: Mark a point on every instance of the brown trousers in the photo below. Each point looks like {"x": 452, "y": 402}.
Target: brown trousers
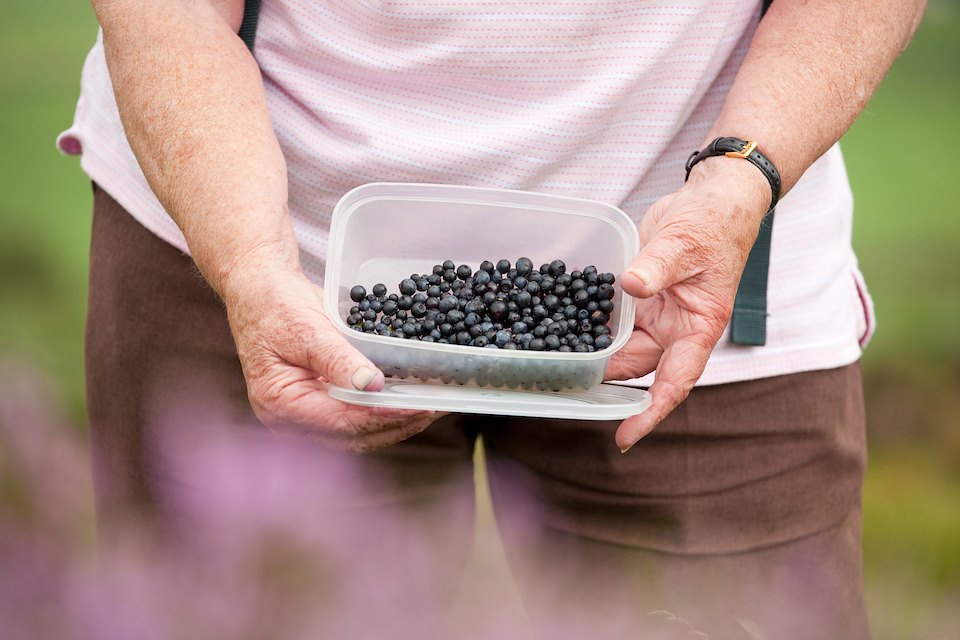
{"x": 740, "y": 513}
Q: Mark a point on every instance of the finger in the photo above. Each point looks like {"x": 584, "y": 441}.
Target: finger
{"x": 381, "y": 439}
{"x": 679, "y": 369}
{"x": 638, "y": 357}
{"x": 664, "y": 261}
{"x": 301, "y": 403}
{"x": 337, "y": 361}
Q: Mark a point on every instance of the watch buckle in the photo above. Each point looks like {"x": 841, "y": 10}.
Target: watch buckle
{"x": 748, "y": 148}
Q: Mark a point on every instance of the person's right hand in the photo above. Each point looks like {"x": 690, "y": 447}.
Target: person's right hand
{"x": 290, "y": 352}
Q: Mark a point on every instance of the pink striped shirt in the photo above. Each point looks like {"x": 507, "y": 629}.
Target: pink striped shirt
{"x": 599, "y": 99}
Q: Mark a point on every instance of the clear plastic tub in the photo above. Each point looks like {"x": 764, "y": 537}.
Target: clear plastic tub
{"x": 383, "y": 232}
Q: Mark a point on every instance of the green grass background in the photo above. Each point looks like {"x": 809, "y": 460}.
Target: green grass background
{"x": 902, "y": 162}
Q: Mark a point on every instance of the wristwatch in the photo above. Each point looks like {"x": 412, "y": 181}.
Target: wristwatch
{"x": 746, "y": 149}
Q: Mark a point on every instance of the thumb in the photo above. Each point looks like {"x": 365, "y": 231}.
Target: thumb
{"x": 664, "y": 261}
{"x": 332, "y": 357}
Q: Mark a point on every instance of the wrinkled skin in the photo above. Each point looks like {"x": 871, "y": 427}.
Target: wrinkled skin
{"x": 695, "y": 244}
{"x": 290, "y": 353}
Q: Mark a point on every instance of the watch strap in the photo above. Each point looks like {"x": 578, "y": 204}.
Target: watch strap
{"x": 746, "y": 149}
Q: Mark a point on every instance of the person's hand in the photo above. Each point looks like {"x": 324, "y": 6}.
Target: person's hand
{"x": 290, "y": 352}
{"x": 695, "y": 244}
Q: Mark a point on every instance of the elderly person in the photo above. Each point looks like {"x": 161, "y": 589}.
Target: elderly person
{"x": 740, "y": 503}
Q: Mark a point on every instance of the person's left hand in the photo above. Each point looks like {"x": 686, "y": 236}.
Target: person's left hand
{"x": 695, "y": 243}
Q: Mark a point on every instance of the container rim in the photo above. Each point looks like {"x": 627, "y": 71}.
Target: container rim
{"x": 351, "y": 200}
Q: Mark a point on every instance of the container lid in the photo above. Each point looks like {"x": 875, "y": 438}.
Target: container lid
{"x": 603, "y": 402}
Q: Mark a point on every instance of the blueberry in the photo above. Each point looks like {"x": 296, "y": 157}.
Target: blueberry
{"x": 433, "y": 291}
{"x": 581, "y": 298}
{"x": 358, "y": 293}
{"x": 482, "y": 278}
{"x": 487, "y": 266}
{"x": 369, "y": 314}
{"x": 419, "y": 309}
{"x": 537, "y": 344}
{"x": 524, "y": 300}
{"x": 539, "y": 312}
{"x": 429, "y": 325}
{"x": 454, "y": 316}
{"x": 510, "y": 346}
{"x": 533, "y": 288}
{"x": 557, "y": 267}
{"x": 379, "y": 289}
{"x": 476, "y": 306}
{"x": 552, "y": 303}
{"x": 480, "y": 341}
{"x": 519, "y": 327}
{"x": 520, "y": 282}
{"x": 364, "y": 305}
{"x": 409, "y": 330}
{"x": 376, "y": 306}
{"x": 544, "y": 268}
{"x": 604, "y": 291}
{"x": 449, "y": 275}
{"x": 598, "y": 317}
{"x": 607, "y": 278}
{"x": 539, "y": 331}
{"x": 445, "y": 329}
{"x": 448, "y": 304}
{"x": 438, "y": 269}
{"x": 408, "y": 287}
{"x": 448, "y": 265}
{"x": 497, "y": 311}
{"x": 464, "y": 338}
{"x": 581, "y": 348}
{"x": 471, "y": 319}
{"x": 503, "y": 337}
{"x": 503, "y": 266}
{"x": 564, "y": 349}
{"x": 552, "y": 342}
{"x": 389, "y": 308}
{"x": 547, "y": 283}
{"x": 368, "y": 326}
{"x": 524, "y": 266}
{"x": 606, "y": 306}
{"x": 432, "y": 303}
{"x": 602, "y": 342}
{"x": 464, "y": 272}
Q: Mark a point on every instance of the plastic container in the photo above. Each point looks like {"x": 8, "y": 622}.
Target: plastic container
{"x": 383, "y": 232}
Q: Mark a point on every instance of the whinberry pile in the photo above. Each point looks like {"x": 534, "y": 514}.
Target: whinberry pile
{"x": 498, "y": 306}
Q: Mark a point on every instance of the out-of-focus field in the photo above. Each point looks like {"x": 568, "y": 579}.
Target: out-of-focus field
{"x": 901, "y": 156}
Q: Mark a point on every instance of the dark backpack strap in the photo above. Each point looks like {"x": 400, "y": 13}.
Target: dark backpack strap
{"x": 748, "y": 324}
{"x": 248, "y": 28}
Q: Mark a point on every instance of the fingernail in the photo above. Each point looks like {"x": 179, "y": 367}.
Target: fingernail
{"x": 362, "y": 377}
{"x": 642, "y": 276}
{"x": 625, "y": 449}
